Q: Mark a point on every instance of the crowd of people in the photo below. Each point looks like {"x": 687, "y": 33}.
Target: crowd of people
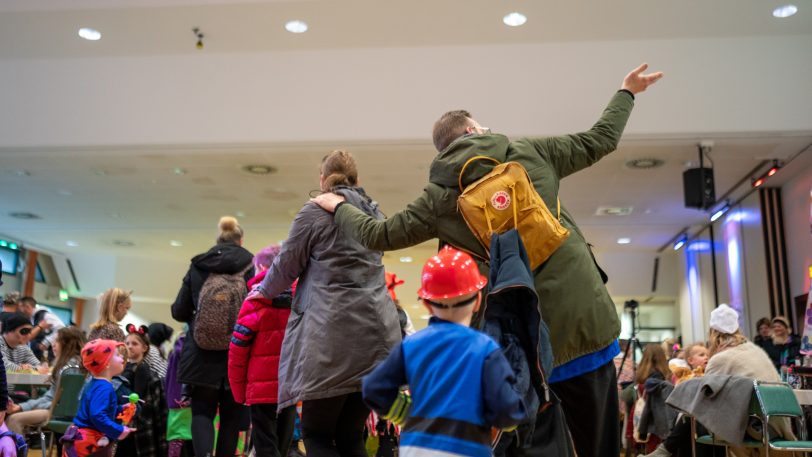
{"x": 305, "y": 340}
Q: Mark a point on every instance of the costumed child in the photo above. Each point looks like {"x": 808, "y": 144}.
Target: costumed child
{"x": 94, "y": 426}
{"x": 458, "y": 377}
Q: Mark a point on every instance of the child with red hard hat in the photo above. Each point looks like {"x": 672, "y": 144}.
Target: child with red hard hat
{"x": 94, "y": 425}
{"x": 460, "y": 383}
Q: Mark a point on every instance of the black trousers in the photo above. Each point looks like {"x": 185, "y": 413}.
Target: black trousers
{"x": 334, "y": 426}
{"x": 591, "y": 410}
{"x": 272, "y": 432}
{"x": 233, "y": 417}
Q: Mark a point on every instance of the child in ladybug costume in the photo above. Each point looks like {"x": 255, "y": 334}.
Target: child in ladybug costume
{"x": 94, "y": 426}
{"x": 460, "y": 383}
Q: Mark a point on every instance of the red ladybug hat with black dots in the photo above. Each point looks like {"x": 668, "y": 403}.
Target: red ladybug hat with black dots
{"x": 96, "y": 354}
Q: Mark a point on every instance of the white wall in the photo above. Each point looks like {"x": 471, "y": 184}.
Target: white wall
{"x": 377, "y": 94}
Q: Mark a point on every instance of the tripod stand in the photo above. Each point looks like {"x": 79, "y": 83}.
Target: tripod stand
{"x": 633, "y": 343}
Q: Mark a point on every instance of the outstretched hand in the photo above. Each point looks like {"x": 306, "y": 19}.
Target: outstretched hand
{"x": 636, "y": 82}
{"x": 328, "y": 201}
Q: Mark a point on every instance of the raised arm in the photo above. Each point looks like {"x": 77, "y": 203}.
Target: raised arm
{"x": 571, "y": 153}
{"x": 415, "y": 224}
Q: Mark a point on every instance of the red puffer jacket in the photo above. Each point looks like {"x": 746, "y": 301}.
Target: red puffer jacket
{"x": 253, "y": 357}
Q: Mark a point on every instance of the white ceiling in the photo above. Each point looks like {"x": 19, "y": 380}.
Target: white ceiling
{"x": 100, "y": 126}
{"x": 47, "y": 28}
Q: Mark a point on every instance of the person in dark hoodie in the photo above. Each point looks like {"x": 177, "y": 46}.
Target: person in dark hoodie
{"x": 206, "y": 371}
{"x": 342, "y": 321}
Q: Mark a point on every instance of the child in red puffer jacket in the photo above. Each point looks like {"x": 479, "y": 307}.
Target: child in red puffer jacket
{"x": 253, "y": 362}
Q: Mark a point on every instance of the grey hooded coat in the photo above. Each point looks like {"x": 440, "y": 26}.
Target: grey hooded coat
{"x": 342, "y": 321}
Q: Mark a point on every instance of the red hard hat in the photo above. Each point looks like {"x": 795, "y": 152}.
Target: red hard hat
{"x": 449, "y": 274}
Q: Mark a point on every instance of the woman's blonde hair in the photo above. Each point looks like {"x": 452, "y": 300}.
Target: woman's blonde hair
{"x": 719, "y": 341}
{"x": 654, "y": 361}
{"x": 108, "y": 302}
{"x": 230, "y": 230}
{"x": 338, "y": 168}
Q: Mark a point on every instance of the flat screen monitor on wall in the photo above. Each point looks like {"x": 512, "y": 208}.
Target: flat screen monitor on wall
{"x": 10, "y": 259}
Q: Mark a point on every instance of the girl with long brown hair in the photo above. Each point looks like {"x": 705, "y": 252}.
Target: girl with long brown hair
{"x": 67, "y": 347}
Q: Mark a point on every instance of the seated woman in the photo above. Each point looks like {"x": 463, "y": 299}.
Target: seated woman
{"x": 67, "y": 348}
{"x": 786, "y": 346}
{"x": 730, "y": 354}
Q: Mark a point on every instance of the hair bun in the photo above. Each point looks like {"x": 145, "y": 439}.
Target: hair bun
{"x": 228, "y": 224}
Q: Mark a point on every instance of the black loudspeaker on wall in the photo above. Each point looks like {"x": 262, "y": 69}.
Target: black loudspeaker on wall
{"x": 698, "y": 186}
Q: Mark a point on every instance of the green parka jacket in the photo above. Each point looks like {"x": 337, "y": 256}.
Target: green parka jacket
{"x": 573, "y": 299}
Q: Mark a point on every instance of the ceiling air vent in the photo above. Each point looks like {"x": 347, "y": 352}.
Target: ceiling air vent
{"x": 644, "y": 163}
{"x": 614, "y": 211}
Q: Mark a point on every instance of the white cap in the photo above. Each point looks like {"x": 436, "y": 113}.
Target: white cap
{"x": 724, "y": 319}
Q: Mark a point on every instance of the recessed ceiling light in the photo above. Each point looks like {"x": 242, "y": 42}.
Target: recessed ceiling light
{"x": 785, "y": 11}
{"x": 72, "y": 244}
{"x": 406, "y": 259}
{"x": 176, "y": 243}
{"x": 23, "y": 215}
{"x": 179, "y": 171}
{"x": 65, "y": 192}
{"x": 614, "y": 210}
{"x": 259, "y": 169}
{"x": 21, "y": 173}
{"x": 89, "y": 34}
{"x": 239, "y": 214}
{"x": 296, "y": 26}
{"x": 123, "y": 243}
{"x": 624, "y": 240}
{"x": 514, "y": 19}
{"x": 99, "y": 172}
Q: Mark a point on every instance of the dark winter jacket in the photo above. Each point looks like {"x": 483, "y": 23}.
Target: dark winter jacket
{"x": 657, "y": 418}
{"x": 512, "y": 318}
{"x": 573, "y": 299}
{"x": 342, "y": 321}
{"x": 253, "y": 358}
{"x": 199, "y": 366}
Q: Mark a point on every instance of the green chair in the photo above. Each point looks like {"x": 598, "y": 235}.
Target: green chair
{"x": 778, "y": 400}
{"x": 711, "y": 439}
{"x": 63, "y": 408}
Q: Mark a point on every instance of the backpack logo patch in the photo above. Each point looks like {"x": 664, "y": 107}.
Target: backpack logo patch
{"x": 500, "y": 200}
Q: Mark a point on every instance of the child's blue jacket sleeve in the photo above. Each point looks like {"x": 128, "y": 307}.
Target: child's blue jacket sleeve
{"x": 380, "y": 388}
{"x": 103, "y": 402}
{"x": 503, "y": 405}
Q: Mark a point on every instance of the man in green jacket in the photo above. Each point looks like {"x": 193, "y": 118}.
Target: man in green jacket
{"x": 574, "y": 302}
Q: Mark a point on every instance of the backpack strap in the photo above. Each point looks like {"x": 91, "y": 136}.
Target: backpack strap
{"x": 472, "y": 159}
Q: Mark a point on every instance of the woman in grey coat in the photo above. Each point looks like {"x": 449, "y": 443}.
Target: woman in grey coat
{"x": 342, "y": 321}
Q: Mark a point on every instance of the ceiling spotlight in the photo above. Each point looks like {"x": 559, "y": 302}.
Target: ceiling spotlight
{"x": 240, "y": 214}
{"x": 179, "y": 171}
{"x": 199, "y": 35}
{"x": 176, "y": 243}
{"x": 683, "y": 238}
{"x": 785, "y": 11}
{"x": 406, "y": 259}
{"x": 296, "y": 26}
{"x": 72, "y": 244}
{"x": 624, "y": 240}
{"x": 719, "y": 213}
{"x": 514, "y": 19}
{"x": 89, "y": 34}
{"x": 757, "y": 182}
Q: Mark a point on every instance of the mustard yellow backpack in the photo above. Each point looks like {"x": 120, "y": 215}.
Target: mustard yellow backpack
{"x": 504, "y": 199}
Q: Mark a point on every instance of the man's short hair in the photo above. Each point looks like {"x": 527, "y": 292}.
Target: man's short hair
{"x": 28, "y": 299}
{"x": 449, "y": 127}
